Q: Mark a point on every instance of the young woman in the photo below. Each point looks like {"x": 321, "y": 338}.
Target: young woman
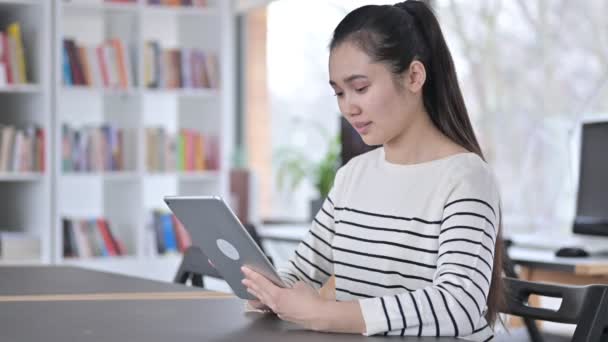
{"x": 409, "y": 230}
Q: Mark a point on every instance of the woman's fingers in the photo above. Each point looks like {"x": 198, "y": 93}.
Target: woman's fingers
{"x": 256, "y": 304}
{"x": 259, "y": 282}
{"x": 265, "y": 290}
{"x": 255, "y": 294}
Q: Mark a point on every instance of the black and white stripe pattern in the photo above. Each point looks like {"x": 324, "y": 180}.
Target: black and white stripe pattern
{"x": 419, "y": 260}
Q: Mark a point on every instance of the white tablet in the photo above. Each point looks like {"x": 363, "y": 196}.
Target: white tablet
{"x": 216, "y": 230}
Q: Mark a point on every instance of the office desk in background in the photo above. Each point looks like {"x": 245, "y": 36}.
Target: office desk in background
{"x": 543, "y": 265}
{"x": 190, "y": 318}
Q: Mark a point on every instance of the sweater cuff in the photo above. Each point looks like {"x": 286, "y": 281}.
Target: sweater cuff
{"x": 373, "y": 315}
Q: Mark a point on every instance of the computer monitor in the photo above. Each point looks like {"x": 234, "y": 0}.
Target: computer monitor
{"x": 592, "y": 198}
{"x": 352, "y": 144}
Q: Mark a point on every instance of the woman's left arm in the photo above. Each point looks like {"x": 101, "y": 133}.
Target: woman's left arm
{"x": 303, "y": 305}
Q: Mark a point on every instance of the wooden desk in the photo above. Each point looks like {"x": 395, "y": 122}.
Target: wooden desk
{"x": 123, "y": 319}
{"x": 66, "y": 283}
{"x": 155, "y": 321}
{"x": 543, "y": 265}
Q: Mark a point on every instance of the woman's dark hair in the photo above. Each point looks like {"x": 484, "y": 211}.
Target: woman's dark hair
{"x": 398, "y": 34}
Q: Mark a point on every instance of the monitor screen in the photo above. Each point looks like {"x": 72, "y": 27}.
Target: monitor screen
{"x": 352, "y": 144}
{"x": 592, "y": 199}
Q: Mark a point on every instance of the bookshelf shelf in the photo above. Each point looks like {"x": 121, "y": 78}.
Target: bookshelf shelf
{"x": 78, "y": 7}
{"x": 186, "y": 175}
{"x": 107, "y": 175}
{"x": 19, "y": 2}
{"x": 21, "y": 177}
{"x": 170, "y": 257}
{"x": 20, "y": 88}
{"x": 19, "y": 262}
{"x": 180, "y": 10}
{"x": 85, "y": 90}
{"x": 200, "y": 93}
{"x": 96, "y": 261}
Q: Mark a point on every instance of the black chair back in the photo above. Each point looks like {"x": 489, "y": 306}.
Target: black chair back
{"x": 585, "y": 306}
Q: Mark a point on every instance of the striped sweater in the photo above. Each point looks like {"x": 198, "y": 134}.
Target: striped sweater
{"x": 414, "y": 244}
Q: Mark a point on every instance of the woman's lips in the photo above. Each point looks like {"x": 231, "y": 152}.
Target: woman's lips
{"x": 362, "y": 127}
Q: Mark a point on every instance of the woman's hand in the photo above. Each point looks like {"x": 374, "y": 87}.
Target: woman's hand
{"x": 257, "y": 305}
{"x": 301, "y": 304}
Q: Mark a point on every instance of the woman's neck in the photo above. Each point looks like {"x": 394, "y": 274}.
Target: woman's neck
{"x": 420, "y": 142}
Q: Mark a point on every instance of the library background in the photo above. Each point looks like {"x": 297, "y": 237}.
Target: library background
{"x": 107, "y": 106}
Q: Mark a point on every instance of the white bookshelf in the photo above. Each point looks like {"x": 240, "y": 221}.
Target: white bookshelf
{"x": 26, "y": 206}
{"x": 39, "y": 200}
{"x": 127, "y": 197}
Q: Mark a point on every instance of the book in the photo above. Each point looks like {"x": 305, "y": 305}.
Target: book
{"x": 121, "y": 61}
{"x": 14, "y": 32}
{"x": 89, "y": 237}
{"x": 5, "y": 58}
{"x": 168, "y": 233}
{"x": 158, "y": 231}
{"x": 179, "y": 68}
{"x": 6, "y": 147}
{"x": 93, "y": 148}
{"x": 106, "y": 235}
{"x": 86, "y": 67}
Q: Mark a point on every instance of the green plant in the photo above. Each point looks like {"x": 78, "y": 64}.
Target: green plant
{"x": 294, "y": 167}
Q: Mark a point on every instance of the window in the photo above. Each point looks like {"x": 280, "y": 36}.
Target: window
{"x": 529, "y": 70}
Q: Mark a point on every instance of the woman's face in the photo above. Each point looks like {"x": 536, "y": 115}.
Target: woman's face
{"x": 368, "y": 96}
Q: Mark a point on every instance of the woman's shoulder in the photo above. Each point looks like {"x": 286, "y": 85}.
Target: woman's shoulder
{"x": 469, "y": 171}
{"x": 468, "y": 165}
{"x": 355, "y": 165}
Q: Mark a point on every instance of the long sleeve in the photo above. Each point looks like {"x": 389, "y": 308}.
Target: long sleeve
{"x": 312, "y": 261}
{"x": 455, "y": 303}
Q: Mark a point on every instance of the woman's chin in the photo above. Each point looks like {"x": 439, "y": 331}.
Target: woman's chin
{"x": 370, "y": 140}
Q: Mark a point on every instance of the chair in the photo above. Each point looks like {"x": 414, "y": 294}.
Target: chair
{"x": 195, "y": 264}
{"x": 509, "y": 271}
{"x": 585, "y": 306}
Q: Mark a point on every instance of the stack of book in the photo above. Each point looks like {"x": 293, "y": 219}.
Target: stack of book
{"x": 87, "y": 238}
{"x": 22, "y": 150}
{"x": 179, "y": 68}
{"x": 188, "y": 151}
{"x": 94, "y": 148}
{"x": 197, "y": 3}
{"x": 107, "y": 65}
{"x": 169, "y": 235}
{"x": 13, "y": 68}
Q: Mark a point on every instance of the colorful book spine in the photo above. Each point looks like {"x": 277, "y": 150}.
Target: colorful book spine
{"x": 169, "y": 233}
{"x": 14, "y": 32}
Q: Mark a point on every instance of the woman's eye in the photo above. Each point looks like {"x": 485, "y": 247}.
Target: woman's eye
{"x": 338, "y": 94}
{"x": 361, "y": 90}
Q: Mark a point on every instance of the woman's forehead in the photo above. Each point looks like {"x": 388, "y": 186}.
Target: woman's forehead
{"x": 347, "y": 60}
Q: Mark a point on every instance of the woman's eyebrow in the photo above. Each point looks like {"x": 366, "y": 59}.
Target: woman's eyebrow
{"x": 348, "y": 79}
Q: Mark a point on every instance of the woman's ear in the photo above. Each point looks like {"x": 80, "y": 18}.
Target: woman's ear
{"x": 415, "y": 77}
